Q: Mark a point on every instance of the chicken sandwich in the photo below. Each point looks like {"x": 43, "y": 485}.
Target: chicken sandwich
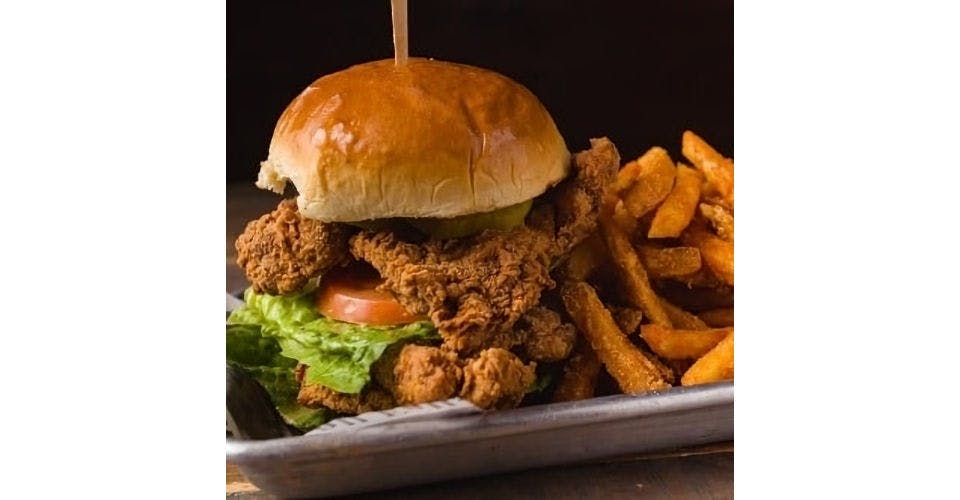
{"x": 414, "y": 265}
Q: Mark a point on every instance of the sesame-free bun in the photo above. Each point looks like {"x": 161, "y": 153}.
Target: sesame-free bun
{"x": 427, "y": 139}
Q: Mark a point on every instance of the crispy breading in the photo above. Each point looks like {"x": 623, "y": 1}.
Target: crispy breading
{"x": 580, "y": 374}
{"x": 417, "y": 374}
{"x": 497, "y": 379}
{"x": 578, "y": 200}
{"x": 545, "y": 336}
{"x": 373, "y": 397}
{"x": 473, "y": 289}
{"x": 281, "y": 251}
{"x": 627, "y": 318}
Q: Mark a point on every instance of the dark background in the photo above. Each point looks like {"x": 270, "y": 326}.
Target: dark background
{"x": 638, "y": 72}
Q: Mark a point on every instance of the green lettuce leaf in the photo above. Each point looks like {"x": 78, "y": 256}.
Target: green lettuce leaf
{"x": 540, "y": 384}
{"x": 248, "y": 349}
{"x": 274, "y": 312}
{"x": 339, "y": 355}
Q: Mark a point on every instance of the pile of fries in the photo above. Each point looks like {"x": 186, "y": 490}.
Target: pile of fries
{"x": 652, "y": 292}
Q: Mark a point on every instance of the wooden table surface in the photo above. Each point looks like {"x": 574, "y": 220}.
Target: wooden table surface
{"x": 704, "y": 472}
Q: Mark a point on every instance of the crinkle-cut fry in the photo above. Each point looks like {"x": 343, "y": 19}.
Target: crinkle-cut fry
{"x": 580, "y": 374}
{"x": 681, "y": 344}
{"x": 584, "y": 259}
{"x": 632, "y": 370}
{"x": 652, "y": 181}
{"x": 717, "y": 169}
{"x": 720, "y": 218}
{"x": 676, "y": 211}
{"x": 716, "y": 253}
{"x": 713, "y": 366}
{"x": 718, "y": 318}
{"x": 670, "y": 262}
{"x": 632, "y": 274}
{"x": 682, "y": 319}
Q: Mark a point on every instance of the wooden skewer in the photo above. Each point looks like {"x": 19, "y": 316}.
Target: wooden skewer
{"x": 399, "y": 11}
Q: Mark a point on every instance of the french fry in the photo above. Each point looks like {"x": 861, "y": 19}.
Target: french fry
{"x": 584, "y": 259}
{"x": 683, "y": 319}
{"x": 665, "y": 371}
{"x": 718, "y": 318}
{"x": 717, "y": 169}
{"x": 681, "y": 344}
{"x": 716, "y": 253}
{"x": 621, "y": 216}
{"x": 696, "y": 299}
{"x": 655, "y": 199}
{"x": 670, "y": 262}
{"x": 676, "y": 211}
{"x": 713, "y": 366}
{"x": 632, "y": 370}
{"x": 652, "y": 181}
{"x": 634, "y": 277}
{"x": 626, "y": 177}
{"x": 704, "y": 278}
{"x": 720, "y": 218}
{"x": 579, "y": 379}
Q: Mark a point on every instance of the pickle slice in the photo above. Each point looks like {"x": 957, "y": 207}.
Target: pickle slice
{"x": 502, "y": 219}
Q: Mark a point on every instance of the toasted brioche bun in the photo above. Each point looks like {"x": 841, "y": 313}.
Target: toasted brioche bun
{"x": 428, "y": 139}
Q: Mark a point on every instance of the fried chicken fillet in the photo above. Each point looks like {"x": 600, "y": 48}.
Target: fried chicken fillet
{"x": 373, "y": 397}
{"x": 417, "y": 374}
{"x": 281, "y": 251}
{"x": 475, "y": 289}
{"x": 545, "y": 336}
{"x": 497, "y": 379}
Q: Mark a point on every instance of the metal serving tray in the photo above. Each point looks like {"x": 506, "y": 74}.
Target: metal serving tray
{"x": 454, "y": 439}
{"x": 446, "y": 441}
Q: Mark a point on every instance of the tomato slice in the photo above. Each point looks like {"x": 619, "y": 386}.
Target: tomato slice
{"x": 350, "y": 295}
